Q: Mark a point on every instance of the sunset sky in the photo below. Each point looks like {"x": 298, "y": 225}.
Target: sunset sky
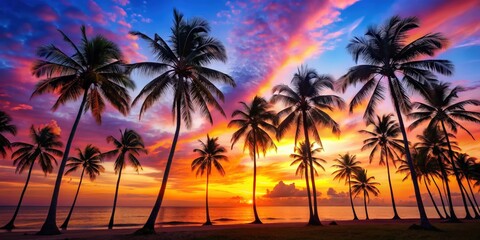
{"x": 265, "y": 44}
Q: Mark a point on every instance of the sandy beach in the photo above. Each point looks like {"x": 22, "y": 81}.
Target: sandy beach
{"x": 362, "y": 229}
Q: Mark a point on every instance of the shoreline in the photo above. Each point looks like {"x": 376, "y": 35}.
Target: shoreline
{"x": 185, "y": 232}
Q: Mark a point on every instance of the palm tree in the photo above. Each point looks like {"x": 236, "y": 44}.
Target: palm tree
{"x": 129, "y": 146}
{"x": 43, "y": 149}
{"x": 385, "y": 51}
{"x": 362, "y": 183}
{"x": 301, "y": 158}
{"x": 255, "y": 123}
{"x": 433, "y": 142}
{"x": 305, "y": 108}
{"x": 426, "y": 168}
{"x": 347, "y": 165}
{"x": 94, "y": 74}
{"x": 466, "y": 167}
{"x": 5, "y": 127}
{"x": 211, "y": 153}
{"x": 181, "y": 70}
{"x": 90, "y": 160}
{"x": 441, "y": 109}
{"x": 384, "y": 142}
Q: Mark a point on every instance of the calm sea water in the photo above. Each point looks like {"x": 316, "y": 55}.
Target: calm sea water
{"x": 30, "y": 218}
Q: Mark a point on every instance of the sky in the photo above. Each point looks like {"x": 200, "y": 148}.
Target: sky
{"x": 266, "y": 41}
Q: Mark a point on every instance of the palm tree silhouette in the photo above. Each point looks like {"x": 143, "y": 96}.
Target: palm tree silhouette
{"x": 6, "y": 127}
{"x": 255, "y": 122}
{"x": 211, "y": 153}
{"x": 383, "y": 142}
{"x": 433, "y": 142}
{"x": 301, "y": 158}
{"x": 362, "y": 183}
{"x": 90, "y": 161}
{"x": 426, "y": 168}
{"x": 347, "y": 165}
{"x": 441, "y": 109}
{"x": 43, "y": 149}
{"x": 129, "y": 146}
{"x": 305, "y": 108}
{"x": 181, "y": 70}
{"x": 466, "y": 168}
{"x": 94, "y": 73}
{"x": 385, "y": 52}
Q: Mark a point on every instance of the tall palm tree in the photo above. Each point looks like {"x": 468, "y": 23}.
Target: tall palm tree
{"x": 255, "y": 123}
{"x": 211, "y": 153}
{"x": 181, "y": 70}
{"x": 383, "y": 141}
{"x": 128, "y": 146}
{"x": 43, "y": 149}
{"x": 6, "y": 127}
{"x": 426, "y": 168}
{"x": 362, "y": 183}
{"x": 301, "y": 158}
{"x": 90, "y": 161}
{"x": 441, "y": 109}
{"x": 433, "y": 142}
{"x": 466, "y": 168}
{"x": 305, "y": 109}
{"x": 385, "y": 52}
{"x": 95, "y": 74}
{"x": 347, "y": 165}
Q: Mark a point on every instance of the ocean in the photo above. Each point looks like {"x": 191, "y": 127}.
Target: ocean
{"x": 31, "y": 218}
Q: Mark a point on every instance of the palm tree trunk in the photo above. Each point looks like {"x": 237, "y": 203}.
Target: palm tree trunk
{"x": 433, "y": 200}
{"x": 395, "y": 214}
{"x": 365, "y": 204}
{"x": 441, "y": 197}
{"x": 65, "y": 224}
{"x": 307, "y": 181}
{"x": 208, "y": 222}
{"x": 50, "y": 225}
{"x": 471, "y": 192}
{"x": 470, "y": 201}
{"x": 316, "y": 219}
{"x": 11, "y": 225}
{"x": 453, "y": 216}
{"x": 424, "y": 222}
{"x": 112, "y": 218}
{"x": 351, "y": 200}
{"x": 149, "y": 227}
{"x": 255, "y": 213}
{"x": 455, "y": 171}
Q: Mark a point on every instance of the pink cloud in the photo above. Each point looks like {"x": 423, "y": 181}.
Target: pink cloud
{"x": 122, "y": 2}
{"x": 46, "y": 13}
{"x": 22, "y": 107}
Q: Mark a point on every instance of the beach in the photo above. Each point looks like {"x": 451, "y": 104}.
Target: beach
{"x": 361, "y": 229}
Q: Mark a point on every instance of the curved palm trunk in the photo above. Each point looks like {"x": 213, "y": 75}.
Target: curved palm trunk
{"x": 307, "y": 181}
{"x": 424, "y": 222}
{"x": 11, "y": 225}
{"x": 316, "y": 219}
{"x": 112, "y": 217}
{"x": 149, "y": 227}
{"x": 470, "y": 201}
{"x": 365, "y": 204}
{"x": 49, "y": 227}
{"x": 441, "y": 197}
{"x": 351, "y": 200}
{"x": 453, "y": 216}
{"x": 395, "y": 214}
{"x": 208, "y": 222}
{"x": 65, "y": 224}
{"x": 257, "y": 219}
{"x": 455, "y": 171}
{"x": 433, "y": 200}
{"x": 471, "y": 192}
